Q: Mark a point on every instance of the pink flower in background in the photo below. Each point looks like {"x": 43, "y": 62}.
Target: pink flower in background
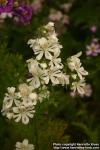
{"x": 6, "y": 5}
{"x": 61, "y": 20}
{"x": 37, "y": 5}
{"x": 93, "y": 49}
{"x": 55, "y": 15}
{"x": 93, "y": 29}
{"x": 58, "y": 16}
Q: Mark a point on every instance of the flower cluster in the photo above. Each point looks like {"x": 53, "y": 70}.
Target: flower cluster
{"x": 47, "y": 67}
{"x": 20, "y": 13}
{"x": 19, "y": 104}
{"x": 24, "y": 145}
{"x": 94, "y": 48}
{"x": 78, "y": 74}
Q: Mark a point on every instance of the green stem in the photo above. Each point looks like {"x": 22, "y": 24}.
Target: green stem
{"x": 36, "y": 132}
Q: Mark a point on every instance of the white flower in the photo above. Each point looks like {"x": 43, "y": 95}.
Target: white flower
{"x": 36, "y": 72}
{"x": 81, "y": 72}
{"x": 27, "y": 94}
{"x": 64, "y": 79}
{"x": 79, "y": 86}
{"x": 50, "y": 28}
{"x": 52, "y": 74}
{"x": 23, "y": 113}
{"x": 24, "y": 89}
{"x": 33, "y": 96}
{"x": 44, "y": 47}
{"x": 8, "y": 99}
{"x": 74, "y": 64}
{"x": 24, "y": 145}
{"x": 56, "y": 62}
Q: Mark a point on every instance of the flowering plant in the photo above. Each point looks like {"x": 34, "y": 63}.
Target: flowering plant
{"x": 46, "y": 68}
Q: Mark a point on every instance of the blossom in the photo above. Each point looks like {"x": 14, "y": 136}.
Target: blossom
{"x": 52, "y": 74}
{"x": 36, "y": 71}
{"x": 56, "y": 62}
{"x": 6, "y": 5}
{"x": 8, "y": 99}
{"x": 49, "y": 29}
{"x": 64, "y": 79}
{"x": 87, "y": 92}
{"x": 78, "y": 86}
{"x": 22, "y": 14}
{"x": 22, "y": 112}
{"x": 44, "y": 47}
{"x": 24, "y": 145}
{"x": 93, "y": 49}
{"x": 74, "y": 64}
{"x": 19, "y": 104}
{"x": 27, "y": 94}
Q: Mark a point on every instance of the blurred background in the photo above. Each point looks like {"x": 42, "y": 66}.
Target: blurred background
{"x": 66, "y": 118}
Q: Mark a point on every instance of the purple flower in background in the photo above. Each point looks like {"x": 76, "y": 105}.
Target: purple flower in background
{"x": 93, "y": 49}
{"x": 23, "y": 14}
{"x": 6, "y": 5}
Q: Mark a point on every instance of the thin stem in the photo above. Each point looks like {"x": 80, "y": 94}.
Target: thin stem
{"x": 36, "y": 132}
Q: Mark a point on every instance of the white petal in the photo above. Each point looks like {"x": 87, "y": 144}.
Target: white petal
{"x": 18, "y": 145}
{"x": 39, "y": 56}
{"x": 18, "y": 118}
{"x": 25, "y": 119}
{"x": 80, "y": 90}
{"x": 25, "y": 142}
{"x": 48, "y": 55}
{"x": 54, "y": 80}
{"x": 15, "y": 109}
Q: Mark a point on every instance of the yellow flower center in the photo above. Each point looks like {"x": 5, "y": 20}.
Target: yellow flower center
{"x": 3, "y": 2}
